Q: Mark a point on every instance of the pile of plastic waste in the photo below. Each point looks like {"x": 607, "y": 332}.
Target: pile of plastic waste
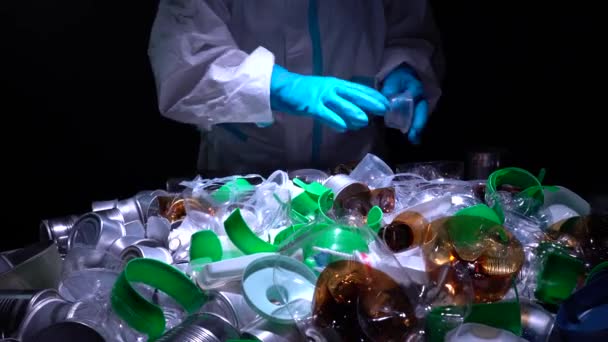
{"x": 367, "y": 255}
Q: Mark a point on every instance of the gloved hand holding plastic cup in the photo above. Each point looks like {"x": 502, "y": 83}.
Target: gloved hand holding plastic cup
{"x": 408, "y": 105}
{"x": 337, "y": 103}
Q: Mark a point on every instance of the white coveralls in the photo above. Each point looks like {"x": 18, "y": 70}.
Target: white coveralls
{"x": 212, "y": 61}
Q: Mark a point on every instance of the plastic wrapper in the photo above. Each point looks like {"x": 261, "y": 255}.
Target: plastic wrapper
{"x": 515, "y": 202}
{"x": 527, "y": 229}
{"x": 88, "y": 274}
{"x": 99, "y": 315}
{"x": 416, "y": 191}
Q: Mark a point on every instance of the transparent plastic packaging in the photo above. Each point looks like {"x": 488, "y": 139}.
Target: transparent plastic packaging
{"x": 88, "y": 274}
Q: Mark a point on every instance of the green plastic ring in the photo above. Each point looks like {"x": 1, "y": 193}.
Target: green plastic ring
{"x": 243, "y": 237}
{"x": 138, "y": 312}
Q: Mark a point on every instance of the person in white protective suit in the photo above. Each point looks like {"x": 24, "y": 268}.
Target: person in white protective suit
{"x": 289, "y": 84}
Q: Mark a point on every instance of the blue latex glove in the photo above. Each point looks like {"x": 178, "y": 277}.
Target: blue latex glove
{"x": 403, "y": 79}
{"x": 337, "y": 103}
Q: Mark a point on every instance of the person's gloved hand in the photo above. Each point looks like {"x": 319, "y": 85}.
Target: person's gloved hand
{"x": 403, "y": 79}
{"x": 337, "y": 103}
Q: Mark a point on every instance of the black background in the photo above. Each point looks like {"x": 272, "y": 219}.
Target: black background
{"x": 79, "y": 99}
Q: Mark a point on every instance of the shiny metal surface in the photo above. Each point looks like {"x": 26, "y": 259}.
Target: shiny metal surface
{"x": 537, "y": 323}
{"x": 96, "y": 230}
{"x": 135, "y": 228}
{"x": 203, "y": 327}
{"x": 231, "y": 306}
{"x": 158, "y": 228}
{"x": 58, "y": 231}
{"x": 15, "y": 304}
{"x": 45, "y": 312}
{"x": 129, "y": 209}
{"x": 120, "y": 244}
{"x": 141, "y": 251}
{"x": 104, "y": 205}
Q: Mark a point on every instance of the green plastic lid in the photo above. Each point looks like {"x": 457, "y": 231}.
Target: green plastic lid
{"x": 243, "y": 237}
{"x": 517, "y": 177}
{"x": 336, "y": 238}
{"x": 480, "y": 210}
{"x": 234, "y": 187}
{"x": 440, "y": 320}
{"x": 314, "y": 189}
{"x": 374, "y": 218}
{"x": 323, "y": 195}
{"x": 467, "y": 230}
{"x": 558, "y": 275}
{"x": 205, "y": 244}
{"x": 502, "y": 315}
{"x": 304, "y": 205}
{"x": 138, "y": 312}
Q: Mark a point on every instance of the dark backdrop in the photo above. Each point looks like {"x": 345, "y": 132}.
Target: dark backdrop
{"x": 80, "y": 100}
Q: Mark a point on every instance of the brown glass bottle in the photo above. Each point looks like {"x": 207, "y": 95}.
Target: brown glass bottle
{"x": 407, "y": 230}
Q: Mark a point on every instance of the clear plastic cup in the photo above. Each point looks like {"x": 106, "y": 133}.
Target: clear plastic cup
{"x": 372, "y": 171}
{"x": 401, "y": 113}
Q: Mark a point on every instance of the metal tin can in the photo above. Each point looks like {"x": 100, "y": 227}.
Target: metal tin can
{"x": 14, "y": 306}
{"x": 58, "y": 231}
{"x": 96, "y": 230}
{"x": 231, "y": 306}
{"x": 202, "y": 327}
